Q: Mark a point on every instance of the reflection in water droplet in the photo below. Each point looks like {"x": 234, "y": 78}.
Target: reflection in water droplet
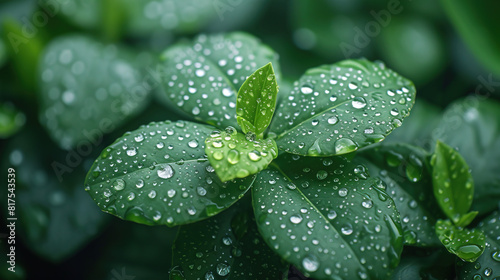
{"x": 119, "y": 184}
{"x": 296, "y": 219}
{"x": 306, "y": 89}
{"x": 344, "y": 146}
{"x": 358, "y": 102}
{"x": 166, "y": 172}
{"x": 310, "y": 263}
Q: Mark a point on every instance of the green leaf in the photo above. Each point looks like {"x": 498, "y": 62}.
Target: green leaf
{"x": 339, "y": 108}
{"x": 452, "y": 183}
{"x": 407, "y": 179}
{"x": 477, "y": 24}
{"x": 55, "y": 218}
{"x": 11, "y": 120}
{"x": 234, "y": 155}
{"x": 488, "y": 264}
{"x": 257, "y": 100}
{"x": 472, "y": 125}
{"x": 202, "y": 79}
{"x": 227, "y": 246}
{"x": 466, "y": 244}
{"x": 159, "y": 174}
{"x": 87, "y": 89}
{"x": 328, "y": 219}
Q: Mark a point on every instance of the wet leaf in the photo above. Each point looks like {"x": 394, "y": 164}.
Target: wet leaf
{"x": 487, "y": 266}
{"x": 202, "y": 79}
{"x": 87, "y": 88}
{"x": 452, "y": 183}
{"x": 256, "y": 100}
{"x": 328, "y": 219}
{"x": 159, "y": 174}
{"x": 466, "y": 244}
{"x": 407, "y": 179}
{"x": 235, "y": 155}
{"x": 339, "y": 108}
{"x": 218, "y": 248}
{"x": 472, "y": 125}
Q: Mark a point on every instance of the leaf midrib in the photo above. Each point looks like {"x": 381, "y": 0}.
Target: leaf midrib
{"x": 276, "y": 167}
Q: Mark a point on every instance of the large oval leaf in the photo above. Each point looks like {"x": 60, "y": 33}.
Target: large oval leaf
{"x": 336, "y": 109}
{"x": 227, "y": 246}
{"x": 488, "y": 264}
{"x": 472, "y": 126}
{"x": 408, "y": 181}
{"x": 159, "y": 174}
{"x": 203, "y": 79}
{"x": 86, "y": 89}
{"x": 326, "y": 217}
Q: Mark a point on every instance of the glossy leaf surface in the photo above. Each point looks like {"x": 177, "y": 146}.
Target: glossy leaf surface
{"x": 472, "y": 125}
{"x": 234, "y": 155}
{"x": 227, "y": 246}
{"x": 407, "y": 179}
{"x": 488, "y": 264}
{"x": 202, "y": 79}
{"x": 466, "y": 244}
{"x": 339, "y": 108}
{"x": 256, "y": 100}
{"x": 452, "y": 183}
{"x": 328, "y": 218}
{"x": 159, "y": 174}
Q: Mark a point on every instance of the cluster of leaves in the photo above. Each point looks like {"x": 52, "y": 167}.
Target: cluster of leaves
{"x": 318, "y": 206}
{"x": 256, "y": 183}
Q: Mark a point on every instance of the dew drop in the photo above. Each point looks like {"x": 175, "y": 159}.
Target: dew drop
{"x": 166, "y": 172}
{"x": 193, "y": 143}
{"x": 310, "y": 263}
{"x": 296, "y": 219}
{"x": 358, "y": 102}
{"x": 306, "y": 89}
{"x": 333, "y": 120}
{"x": 119, "y": 184}
{"x": 344, "y": 146}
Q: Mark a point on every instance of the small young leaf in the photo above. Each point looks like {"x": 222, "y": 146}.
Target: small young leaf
{"x": 472, "y": 125}
{"x": 87, "y": 89}
{"x": 228, "y": 245}
{"x": 235, "y": 155}
{"x": 202, "y": 78}
{"x": 328, "y": 219}
{"x": 257, "y": 100}
{"x": 452, "y": 183}
{"x": 488, "y": 264}
{"x": 466, "y": 244}
{"x": 407, "y": 179}
{"x": 337, "y": 109}
{"x": 159, "y": 174}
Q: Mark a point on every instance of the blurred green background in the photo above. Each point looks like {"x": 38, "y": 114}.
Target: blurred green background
{"x": 450, "y": 49}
